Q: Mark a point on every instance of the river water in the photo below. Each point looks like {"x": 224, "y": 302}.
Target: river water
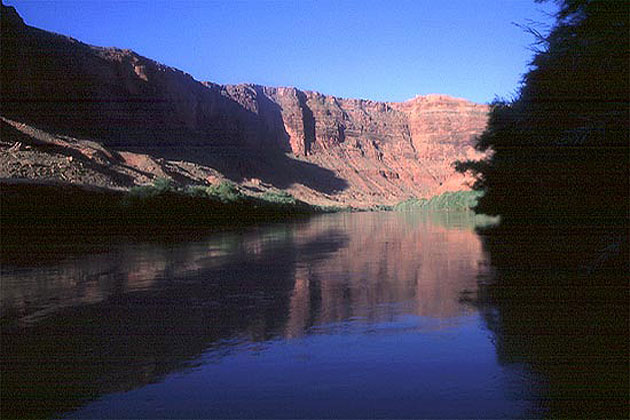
{"x": 344, "y": 315}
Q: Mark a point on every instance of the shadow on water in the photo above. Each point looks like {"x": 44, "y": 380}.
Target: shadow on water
{"x": 557, "y": 302}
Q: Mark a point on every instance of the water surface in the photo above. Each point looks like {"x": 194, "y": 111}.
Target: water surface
{"x": 346, "y": 315}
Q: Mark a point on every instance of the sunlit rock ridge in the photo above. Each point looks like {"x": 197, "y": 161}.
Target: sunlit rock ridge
{"x": 319, "y": 147}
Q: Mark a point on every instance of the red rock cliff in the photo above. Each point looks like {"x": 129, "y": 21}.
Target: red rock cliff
{"x": 321, "y": 148}
{"x": 384, "y": 151}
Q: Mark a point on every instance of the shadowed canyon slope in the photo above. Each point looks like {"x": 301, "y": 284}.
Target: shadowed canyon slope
{"x": 321, "y": 148}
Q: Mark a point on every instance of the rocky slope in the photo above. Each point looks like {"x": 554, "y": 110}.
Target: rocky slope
{"x": 321, "y": 148}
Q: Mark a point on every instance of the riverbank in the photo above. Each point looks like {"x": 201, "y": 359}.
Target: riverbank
{"x": 60, "y": 208}
{"x": 42, "y": 221}
{"x": 52, "y": 207}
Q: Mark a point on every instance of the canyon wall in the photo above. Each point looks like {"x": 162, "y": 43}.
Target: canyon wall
{"x": 319, "y": 147}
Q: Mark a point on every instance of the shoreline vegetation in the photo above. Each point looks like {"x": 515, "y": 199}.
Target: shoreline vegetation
{"x": 45, "y": 220}
{"x": 559, "y": 166}
{"x": 148, "y": 208}
{"x": 29, "y": 207}
{"x": 448, "y": 201}
{"x": 42, "y": 220}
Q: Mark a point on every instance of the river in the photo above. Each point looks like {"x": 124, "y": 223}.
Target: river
{"x": 364, "y": 315}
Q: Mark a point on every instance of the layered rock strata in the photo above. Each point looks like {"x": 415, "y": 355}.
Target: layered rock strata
{"x": 320, "y": 147}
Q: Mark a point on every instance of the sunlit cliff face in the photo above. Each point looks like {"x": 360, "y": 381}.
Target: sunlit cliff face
{"x": 323, "y": 149}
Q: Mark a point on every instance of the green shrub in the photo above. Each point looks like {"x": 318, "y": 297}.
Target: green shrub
{"x": 458, "y": 201}
{"x": 226, "y": 192}
{"x": 280, "y": 197}
{"x": 159, "y": 186}
{"x": 142, "y": 191}
{"x": 411, "y": 204}
{"x": 164, "y": 185}
{"x": 200, "y": 191}
{"x": 380, "y": 207}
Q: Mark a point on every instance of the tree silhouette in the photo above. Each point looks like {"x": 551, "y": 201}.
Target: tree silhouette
{"x": 561, "y": 147}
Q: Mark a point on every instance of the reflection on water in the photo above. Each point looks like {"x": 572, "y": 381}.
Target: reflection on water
{"x": 558, "y": 303}
{"x": 386, "y": 266}
{"x": 342, "y": 267}
{"x": 348, "y": 315}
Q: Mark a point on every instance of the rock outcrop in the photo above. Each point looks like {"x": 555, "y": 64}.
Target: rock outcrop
{"x": 320, "y": 147}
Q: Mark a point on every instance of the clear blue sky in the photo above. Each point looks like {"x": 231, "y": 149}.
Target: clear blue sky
{"x": 383, "y": 50}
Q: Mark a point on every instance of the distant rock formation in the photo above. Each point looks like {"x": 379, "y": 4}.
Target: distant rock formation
{"x": 319, "y": 147}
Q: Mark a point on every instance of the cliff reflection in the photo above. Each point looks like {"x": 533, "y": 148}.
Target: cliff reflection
{"x": 96, "y": 324}
{"x": 89, "y": 325}
{"x": 397, "y": 264}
